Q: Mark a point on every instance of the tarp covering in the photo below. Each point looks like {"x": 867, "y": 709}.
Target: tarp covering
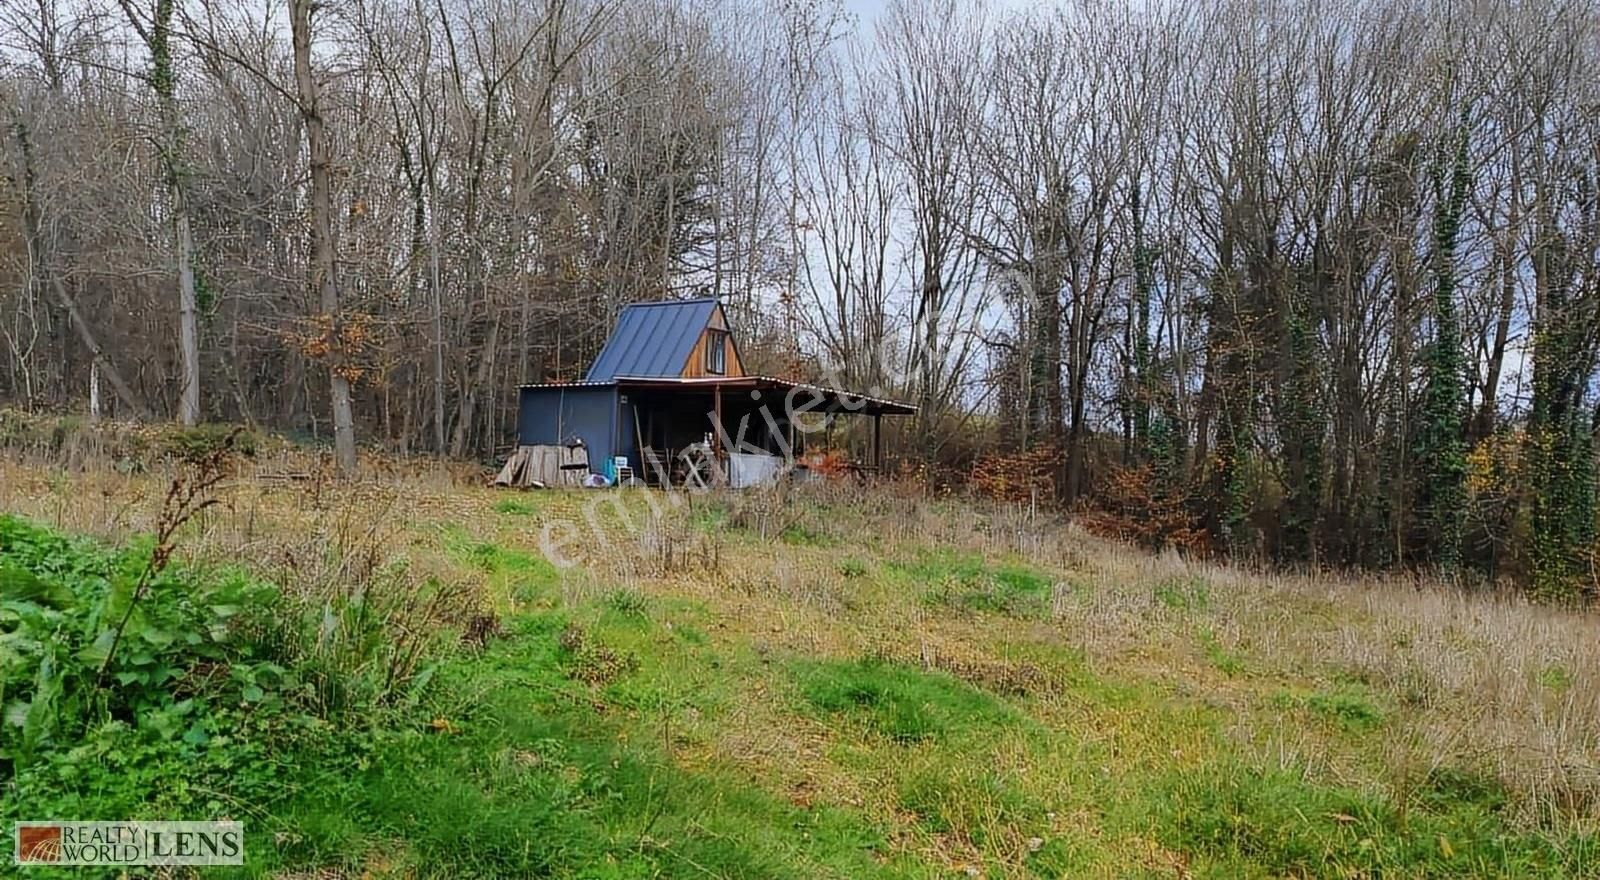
{"x": 750, "y": 469}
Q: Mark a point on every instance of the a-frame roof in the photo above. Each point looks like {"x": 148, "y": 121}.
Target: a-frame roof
{"x": 652, "y": 339}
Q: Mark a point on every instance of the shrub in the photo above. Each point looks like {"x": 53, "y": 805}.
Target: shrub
{"x": 132, "y": 688}
{"x": 1021, "y": 477}
{"x": 628, "y": 603}
{"x": 587, "y": 660}
{"x": 196, "y": 443}
{"x": 67, "y": 665}
{"x": 376, "y": 646}
{"x": 1141, "y": 505}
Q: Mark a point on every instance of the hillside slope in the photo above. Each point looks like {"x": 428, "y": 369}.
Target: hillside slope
{"x": 830, "y": 683}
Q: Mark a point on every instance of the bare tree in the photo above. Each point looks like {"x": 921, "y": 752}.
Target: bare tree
{"x": 927, "y": 55}
{"x": 850, "y": 190}
{"x": 155, "y": 32}
{"x": 1232, "y": 249}
{"x": 324, "y": 264}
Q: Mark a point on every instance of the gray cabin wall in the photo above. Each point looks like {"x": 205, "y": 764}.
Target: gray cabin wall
{"x": 552, "y": 416}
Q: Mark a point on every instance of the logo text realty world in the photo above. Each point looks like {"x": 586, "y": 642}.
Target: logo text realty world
{"x": 129, "y": 843}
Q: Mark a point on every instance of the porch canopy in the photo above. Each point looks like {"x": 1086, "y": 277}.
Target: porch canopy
{"x": 776, "y": 392}
{"x": 640, "y": 416}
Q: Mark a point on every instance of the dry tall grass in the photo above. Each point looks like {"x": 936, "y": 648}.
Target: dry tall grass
{"x": 1485, "y": 681}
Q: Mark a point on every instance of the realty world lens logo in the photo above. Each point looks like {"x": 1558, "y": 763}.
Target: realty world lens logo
{"x": 129, "y": 843}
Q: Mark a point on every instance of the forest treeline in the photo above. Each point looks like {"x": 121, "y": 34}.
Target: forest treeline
{"x": 1312, "y": 281}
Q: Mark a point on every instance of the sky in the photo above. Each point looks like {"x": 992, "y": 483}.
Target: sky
{"x": 865, "y": 11}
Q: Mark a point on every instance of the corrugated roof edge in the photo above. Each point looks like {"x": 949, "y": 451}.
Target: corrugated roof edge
{"x": 719, "y": 380}
{"x": 579, "y": 384}
{"x": 672, "y": 302}
{"x": 733, "y": 380}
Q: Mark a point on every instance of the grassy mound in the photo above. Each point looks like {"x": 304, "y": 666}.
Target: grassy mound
{"x": 902, "y": 703}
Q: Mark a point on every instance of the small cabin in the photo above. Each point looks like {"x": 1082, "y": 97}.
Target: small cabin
{"x": 669, "y": 400}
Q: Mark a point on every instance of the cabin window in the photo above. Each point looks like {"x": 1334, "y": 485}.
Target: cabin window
{"x": 716, "y": 351}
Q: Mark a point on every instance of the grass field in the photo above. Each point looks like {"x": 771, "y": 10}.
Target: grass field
{"x": 818, "y": 683}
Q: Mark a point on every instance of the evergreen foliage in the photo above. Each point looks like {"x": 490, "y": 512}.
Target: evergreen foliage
{"x": 1560, "y": 448}
{"x": 1440, "y": 450}
{"x": 1302, "y": 434}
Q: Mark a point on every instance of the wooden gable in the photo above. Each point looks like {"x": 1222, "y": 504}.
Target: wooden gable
{"x": 702, "y": 356}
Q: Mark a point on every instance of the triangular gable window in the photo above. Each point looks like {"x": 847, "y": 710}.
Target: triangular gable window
{"x": 716, "y": 352}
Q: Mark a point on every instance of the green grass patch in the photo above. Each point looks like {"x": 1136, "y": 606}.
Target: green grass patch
{"x": 516, "y": 507}
{"x": 663, "y": 671}
{"x": 852, "y": 568}
{"x": 690, "y": 634}
{"x": 1349, "y": 707}
{"x": 1226, "y": 662}
{"x": 966, "y": 581}
{"x": 1022, "y": 580}
{"x": 901, "y": 702}
{"x": 934, "y": 566}
{"x": 1555, "y": 678}
{"x": 530, "y": 780}
{"x": 495, "y": 559}
{"x": 802, "y": 535}
{"x": 1183, "y": 593}
{"x": 1246, "y": 822}
{"x": 968, "y": 798}
{"x": 710, "y": 517}
{"x": 1451, "y": 787}
{"x": 512, "y": 574}
{"x": 627, "y": 604}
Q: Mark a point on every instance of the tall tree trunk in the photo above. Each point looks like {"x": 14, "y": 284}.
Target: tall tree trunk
{"x": 188, "y": 314}
{"x": 1504, "y": 248}
{"x": 469, "y": 400}
{"x": 164, "y": 81}
{"x": 437, "y": 305}
{"x": 322, "y": 256}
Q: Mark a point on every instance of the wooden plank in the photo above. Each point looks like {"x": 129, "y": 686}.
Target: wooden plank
{"x": 695, "y": 367}
{"x": 541, "y": 466}
{"x": 515, "y": 466}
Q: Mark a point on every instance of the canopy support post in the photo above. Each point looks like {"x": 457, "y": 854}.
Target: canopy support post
{"x": 716, "y": 408}
{"x": 877, "y": 440}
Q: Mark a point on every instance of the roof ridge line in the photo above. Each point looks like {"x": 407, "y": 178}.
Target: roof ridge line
{"x": 673, "y": 302}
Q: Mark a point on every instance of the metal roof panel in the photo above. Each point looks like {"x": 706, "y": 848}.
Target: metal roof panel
{"x": 652, "y": 339}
